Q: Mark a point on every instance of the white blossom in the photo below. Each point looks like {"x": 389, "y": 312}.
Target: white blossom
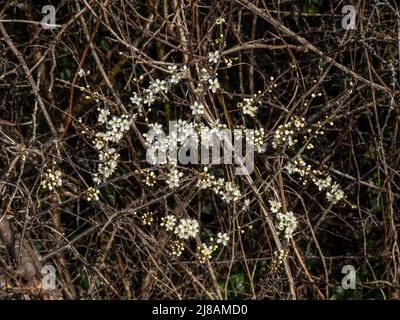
{"x": 158, "y": 86}
{"x": 335, "y": 194}
{"x": 256, "y": 139}
{"x": 227, "y": 190}
{"x": 168, "y": 222}
{"x": 249, "y": 106}
{"x": 219, "y": 21}
{"x": 51, "y": 179}
{"x": 213, "y": 85}
{"x": 187, "y": 228}
{"x": 275, "y": 206}
{"x": 205, "y": 252}
{"x": 197, "y": 108}
{"x": 213, "y": 57}
{"x": 206, "y": 180}
{"x": 173, "y": 178}
{"x": 222, "y": 238}
{"x": 287, "y": 223}
{"x": 103, "y": 115}
{"x": 92, "y": 194}
{"x": 323, "y": 183}
{"x": 136, "y": 99}
{"x": 177, "y": 247}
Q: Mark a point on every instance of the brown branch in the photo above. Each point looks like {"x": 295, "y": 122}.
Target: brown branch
{"x": 35, "y": 89}
{"x": 267, "y": 16}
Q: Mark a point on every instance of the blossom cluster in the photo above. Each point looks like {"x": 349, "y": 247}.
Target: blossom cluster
{"x": 285, "y": 133}
{"x": 256, "y": 139}
{"x": 187, "y": 133}
{"x": 51, "y": 179}
{"x": 157, "y": 88}
{"x": 205, "y": 251}
{"x": 333, "y": 191}
{"x": 92, "y": 194}
{"x": 279, "y": 257}
{"x": 227, "y": 190}
{"x": 162, "y": 148}
{"x": 147, "y": 218}
{"x": 115, "y": 128}
{"x": 173, "y": 178}
{"x": 299, "y": 166}
{"x": 250, "y": 106}
{"x": 168, "y": 222}
{"x": 186, "y": 229}
{"x": 287, "y": 222}
{"x": 149, "y": 176}
{"x": 159, "y": 143}
{"x": 177, "y": 247}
